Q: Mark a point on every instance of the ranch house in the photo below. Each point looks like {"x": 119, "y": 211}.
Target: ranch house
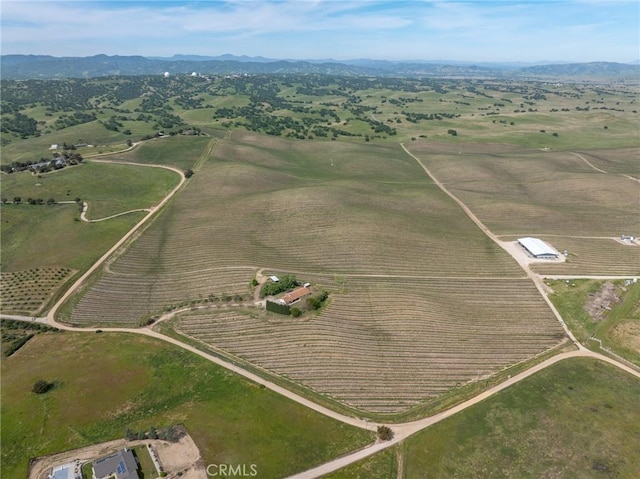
{"x": 121, "y": 465}
{"x": 296, "y": 295}
{"x": 538, "y": 248}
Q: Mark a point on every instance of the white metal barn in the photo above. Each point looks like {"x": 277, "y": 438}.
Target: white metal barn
{"x": 538, "y": 248}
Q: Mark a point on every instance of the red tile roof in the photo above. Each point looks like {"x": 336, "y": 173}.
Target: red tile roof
{"x": 296, "y": 294}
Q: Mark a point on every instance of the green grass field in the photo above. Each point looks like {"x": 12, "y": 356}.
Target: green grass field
{"x": 147, "y": 468}
{"x": 53, "y": 236}
{"x": 43, "y": 236}
{"x": 618, "y": 323}
{"x": 108, "y": 188}
{"x": 383, "y": 465}
{"x": 105, "y": 383}
{"x": 578, "y": 418}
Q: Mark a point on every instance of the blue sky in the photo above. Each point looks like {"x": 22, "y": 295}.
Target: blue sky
{"x": 489, "y": 30}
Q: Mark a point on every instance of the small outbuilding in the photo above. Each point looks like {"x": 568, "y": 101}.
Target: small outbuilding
{"x": 538, "y": 248}
{"x": 275, "y": 279}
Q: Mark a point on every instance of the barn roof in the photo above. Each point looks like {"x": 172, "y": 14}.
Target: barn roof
{"x": 537, "y": 247}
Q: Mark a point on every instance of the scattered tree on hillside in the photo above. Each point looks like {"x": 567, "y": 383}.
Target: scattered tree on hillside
{"x": 287, "y": 281}
{"x": 41, "y": 386}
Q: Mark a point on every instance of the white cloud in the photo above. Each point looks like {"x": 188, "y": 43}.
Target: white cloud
{"x": 425, "y": 29}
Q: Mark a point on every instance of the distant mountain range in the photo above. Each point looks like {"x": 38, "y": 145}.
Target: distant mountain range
{"x": 20, "y": 67}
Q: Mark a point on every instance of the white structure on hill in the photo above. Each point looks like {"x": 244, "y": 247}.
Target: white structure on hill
{"x": 538, "y": 248}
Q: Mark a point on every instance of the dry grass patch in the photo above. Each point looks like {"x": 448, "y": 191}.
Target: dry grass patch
{"x": 627, "y": 334}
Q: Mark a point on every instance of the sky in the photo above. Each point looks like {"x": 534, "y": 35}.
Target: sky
{"x": 475, "y": 31}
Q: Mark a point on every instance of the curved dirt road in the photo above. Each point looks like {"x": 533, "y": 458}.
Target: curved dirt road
{"x": 129, "y": 234}
{"x": 401, "y": 431}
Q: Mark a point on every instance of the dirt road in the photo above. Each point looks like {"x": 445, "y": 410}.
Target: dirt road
{"x": 129, "y": 234}
{"x": 401, "y": 431}
{"x": 505, "y": 245}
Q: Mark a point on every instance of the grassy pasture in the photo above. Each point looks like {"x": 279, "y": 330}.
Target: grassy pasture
{"x": 53, "y": 237}
{"x": 28, "y": 242}
{"x": 539, "y": 427}
{"x": 619, "y": 327}
{"x": 591, "y": 116}
{"x": 180, "y": 151}
{"x": 577, "y": 418}
{"x": 107, "y": 188}
{"x": 105, "y": 383}
{"x": 383, "y": 465}
{"x": 35, "y": 148}
{"x": 481, "y": 112}
{"x": 15, "y": 334}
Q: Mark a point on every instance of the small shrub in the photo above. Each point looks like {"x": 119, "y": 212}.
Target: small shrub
{"x": 41, "y": 386}
{"x": 385, "y": 433}
{"x": 295, "y": 312}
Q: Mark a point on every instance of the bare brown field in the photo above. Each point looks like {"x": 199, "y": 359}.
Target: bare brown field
{"x": 536, "y": 192}
{"x": 589, "y": 256}
{"x": 622, "y": 160}
{"x": 270, "y": 203}
{"x": 384, "y": 345}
